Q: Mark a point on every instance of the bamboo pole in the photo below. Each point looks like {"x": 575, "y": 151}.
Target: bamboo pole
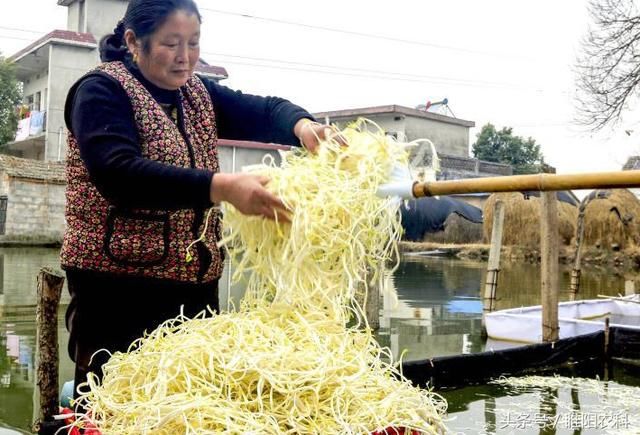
{"x": 49, "y": 291}
{"x": 540, "y": 182}
{"x": 549, "y": 266}
{"x": 493, "y": 267}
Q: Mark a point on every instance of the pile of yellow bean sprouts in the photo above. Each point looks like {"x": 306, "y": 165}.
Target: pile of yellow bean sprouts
{"x": 285, "y": 362}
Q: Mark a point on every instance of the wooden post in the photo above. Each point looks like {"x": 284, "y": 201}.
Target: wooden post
{"x": 607, "y": 350}
{"x": 370, "y": 302}
{"x": 574, "y": 286}
{"x": 372, "y": 306}
{"x": 491, "y": 284}
{"x": 49, "y": 291}
{"x": 549, "y": 265}
{"x": 629, "y": 287}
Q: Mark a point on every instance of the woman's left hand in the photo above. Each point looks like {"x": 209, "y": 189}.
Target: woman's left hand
{"x": 311, "y": 133}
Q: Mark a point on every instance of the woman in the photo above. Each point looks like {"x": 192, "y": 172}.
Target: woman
{"x": 142, "y": 172}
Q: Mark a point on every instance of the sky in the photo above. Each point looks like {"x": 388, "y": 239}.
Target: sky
{"x": 510, "y": 63}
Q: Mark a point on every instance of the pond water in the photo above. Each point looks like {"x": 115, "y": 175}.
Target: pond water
{"x": 437, "y": 312}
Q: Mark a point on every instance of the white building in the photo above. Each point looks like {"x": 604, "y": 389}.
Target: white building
{"x": 49, "y": 66}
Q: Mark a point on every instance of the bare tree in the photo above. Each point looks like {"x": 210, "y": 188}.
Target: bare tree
{"x": 609, "y": 66}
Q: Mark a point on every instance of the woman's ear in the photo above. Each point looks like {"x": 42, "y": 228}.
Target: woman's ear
{"x": 131, "y": 41}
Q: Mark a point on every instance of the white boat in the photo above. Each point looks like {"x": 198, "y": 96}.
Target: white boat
{"x": 524, "y": 325}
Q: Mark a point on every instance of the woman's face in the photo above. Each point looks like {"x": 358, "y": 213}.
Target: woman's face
{"x": 173, "y": 51}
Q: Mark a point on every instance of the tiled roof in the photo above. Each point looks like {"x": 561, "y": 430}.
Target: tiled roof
{"x": 33, "y": 169}
{"x": 205, "y": 68}
{"x": 633, "y": 162}
{"x": 57, "y": 35}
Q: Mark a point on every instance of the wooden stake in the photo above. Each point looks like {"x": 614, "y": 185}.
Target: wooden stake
{"x": 49, "y": 291}
{"x": 370, "y": 302}
{"x": 574, "y": 286}
{"x": 549, "y": 265}
{"x": 491, "y": 284}
{"x": 372, "y": 306}
{"x": 629, "y": 287}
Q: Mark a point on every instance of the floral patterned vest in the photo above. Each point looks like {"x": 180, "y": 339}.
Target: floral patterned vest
{"x": 150, "y": 243}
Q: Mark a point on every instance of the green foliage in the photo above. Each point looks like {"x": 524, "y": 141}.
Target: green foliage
{"x": 10, "y": 96}
{"x": 503, "y": 147}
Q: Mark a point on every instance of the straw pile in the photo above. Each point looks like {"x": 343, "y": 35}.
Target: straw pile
{"x": 612, "y": 218}
{"x": 522, "y": 220}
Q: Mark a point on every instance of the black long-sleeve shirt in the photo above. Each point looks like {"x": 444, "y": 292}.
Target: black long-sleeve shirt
{"x": 100, "y": 116}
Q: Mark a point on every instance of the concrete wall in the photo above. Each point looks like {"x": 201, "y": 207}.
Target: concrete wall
{"x": 38, "y": 82}
{"x": 34, "y": 209}
{"x": 448, "y": 138}
{"x": 66, "y": 65}
{"x": 76, "y": 16}
{"x": 103, "y": 15}
{"x": 244, "y": 157}
{"x": 388, "y": 122}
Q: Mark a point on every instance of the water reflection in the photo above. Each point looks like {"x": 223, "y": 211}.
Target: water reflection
{"x": 18, "y": 286}
{"x": 439, "y": 307}
{"x": 546, "y": 406}
{"x": 437, "y": 310}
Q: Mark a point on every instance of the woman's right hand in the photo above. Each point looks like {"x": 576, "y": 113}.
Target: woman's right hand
{"x": 247, "y": 193}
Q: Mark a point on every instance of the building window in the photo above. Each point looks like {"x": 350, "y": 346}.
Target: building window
{"x": 37, "y": 101}
{"x": 3, "y": 213}
{"x": 30, "y": 102}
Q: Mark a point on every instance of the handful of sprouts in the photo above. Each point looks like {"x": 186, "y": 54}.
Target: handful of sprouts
{"x": 285, "y": 362}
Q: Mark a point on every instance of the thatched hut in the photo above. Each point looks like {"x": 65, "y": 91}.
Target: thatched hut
{"x": 522, "y": 219}
{"x": 612, "y": 219}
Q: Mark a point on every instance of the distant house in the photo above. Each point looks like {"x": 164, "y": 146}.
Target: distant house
{"x": 49, "y": 66}
{"x": 450, "y": 136}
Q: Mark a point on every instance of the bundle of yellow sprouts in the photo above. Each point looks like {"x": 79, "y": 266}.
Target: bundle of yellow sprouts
{"x": 285, "y": 362}
{"x": 340, "y": 232}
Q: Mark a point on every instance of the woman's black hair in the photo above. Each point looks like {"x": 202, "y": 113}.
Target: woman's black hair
{"x": 144, "y": 17}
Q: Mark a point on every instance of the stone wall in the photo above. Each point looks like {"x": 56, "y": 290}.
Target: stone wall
{"x": 35, "y": 211}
